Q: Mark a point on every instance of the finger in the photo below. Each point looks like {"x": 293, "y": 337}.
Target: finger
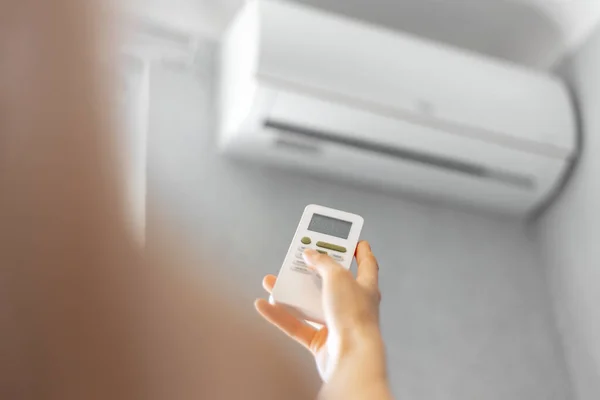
{"x": 368, "y": 268}
{"x": 286, "y": 322}
{"x": 269, "y": 282}
{"x": 322, "y": 263}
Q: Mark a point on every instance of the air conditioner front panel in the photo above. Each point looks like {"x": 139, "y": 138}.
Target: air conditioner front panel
{"x": 323, "y": 52}
{"x": 345, "y": 125}
{"x": 350, "y": 165}
{"x": 315, "y": 92}
{"x": 261, "y": 139}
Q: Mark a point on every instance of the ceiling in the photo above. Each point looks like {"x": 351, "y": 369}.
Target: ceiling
{"x": 535, "y": 33}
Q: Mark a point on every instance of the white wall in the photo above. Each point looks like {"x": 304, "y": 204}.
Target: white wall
{"x": 569, "y": 234}
{"x": 134, "y": 102}
{"x": 466, "y": 313}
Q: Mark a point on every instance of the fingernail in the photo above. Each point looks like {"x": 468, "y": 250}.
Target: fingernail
{"x": 309, "y": 256}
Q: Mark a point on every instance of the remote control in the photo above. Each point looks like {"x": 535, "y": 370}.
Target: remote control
{"x": 327, "y": 231}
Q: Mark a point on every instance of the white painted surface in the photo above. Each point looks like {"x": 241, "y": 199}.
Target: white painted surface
{"x": 536, "y": 33}
{"x": 465, "y": 311}
{"x": 569, "y": 235}
{"x": 529, "y": 32}
{"x": 201, "y": 17}
{"x": 134, "y": 103}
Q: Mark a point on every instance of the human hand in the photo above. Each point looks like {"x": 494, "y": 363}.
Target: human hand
{"x": 351, "y": 309}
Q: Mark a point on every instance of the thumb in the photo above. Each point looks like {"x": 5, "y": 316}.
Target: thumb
{"x": 325, "y": 266}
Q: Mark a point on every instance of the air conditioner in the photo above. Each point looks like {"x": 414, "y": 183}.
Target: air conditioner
{"x": 316, "y": 92}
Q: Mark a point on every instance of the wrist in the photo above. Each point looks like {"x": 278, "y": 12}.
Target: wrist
{"x": 373, "y": 389}
{"x": 360, "y": 374}
{"x": 364, "y": 350}
{"x": 361, "y": 337}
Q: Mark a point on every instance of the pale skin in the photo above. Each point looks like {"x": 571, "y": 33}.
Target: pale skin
{"x": 85, "y": 313}
{"x": 348, "y": 350}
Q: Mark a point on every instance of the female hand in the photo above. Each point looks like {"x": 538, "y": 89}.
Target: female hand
{"x": 351, "y": 338}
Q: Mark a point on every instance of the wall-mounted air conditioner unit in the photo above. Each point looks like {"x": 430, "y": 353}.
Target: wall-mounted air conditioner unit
{"x": 317, "y": 92}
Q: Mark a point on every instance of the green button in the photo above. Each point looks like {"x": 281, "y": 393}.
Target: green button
{"x": 322, "y": 251}
{"x": 330, "y": 246}
{"x": 306, "y": 240}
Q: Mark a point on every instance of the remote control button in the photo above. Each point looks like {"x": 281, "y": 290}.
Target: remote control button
{"x": 300, "y": 263}
{"x": 322, "y": 251}
{"x": 302, "y": 248}
{"x": 337, "y": 257}
{"x": 306, "y": 240}
{"x": 302, "y": 270}
{"x": 330, "y": 246}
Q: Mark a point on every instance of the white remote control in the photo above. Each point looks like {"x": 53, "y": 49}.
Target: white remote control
{"x": 327, "y": 231}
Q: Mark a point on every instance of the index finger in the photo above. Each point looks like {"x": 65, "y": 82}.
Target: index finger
{"x": 368, "y": 268}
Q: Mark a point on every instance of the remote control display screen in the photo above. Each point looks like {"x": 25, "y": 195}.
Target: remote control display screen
{"x": 330, "y": 226}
